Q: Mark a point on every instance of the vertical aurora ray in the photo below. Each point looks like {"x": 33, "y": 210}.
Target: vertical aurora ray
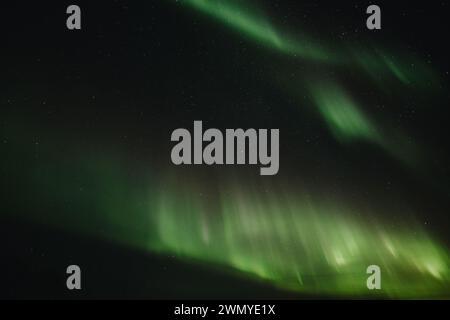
{"x": 301, "y": 244}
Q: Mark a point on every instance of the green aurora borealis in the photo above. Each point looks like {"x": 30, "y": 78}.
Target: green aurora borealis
{"x": 301, "y": 244}
{"x": 280, "y": 232}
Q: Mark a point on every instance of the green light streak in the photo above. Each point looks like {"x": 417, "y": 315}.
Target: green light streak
{"x": 396, "y": 70}
{"x": 347, "y": 122}
{"x": 250, "y": 22}
{"x": 340, "y": 112}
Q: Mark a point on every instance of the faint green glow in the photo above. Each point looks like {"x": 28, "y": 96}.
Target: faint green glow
{"x": 396, "y": 70}
{"x": 347, "y": 121}
{"x": 381, "y": 65}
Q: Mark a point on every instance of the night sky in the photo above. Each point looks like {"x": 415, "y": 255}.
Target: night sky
{"x": 86, "y": 175}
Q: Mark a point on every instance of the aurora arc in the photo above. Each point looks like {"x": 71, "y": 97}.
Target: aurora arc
{"x": 287, "y": 237}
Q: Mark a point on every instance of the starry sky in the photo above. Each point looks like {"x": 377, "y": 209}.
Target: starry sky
{"x": 86, "y": 118}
